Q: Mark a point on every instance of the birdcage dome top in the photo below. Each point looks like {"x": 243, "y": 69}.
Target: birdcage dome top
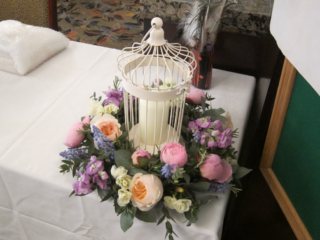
{"x": 156, "y": 66}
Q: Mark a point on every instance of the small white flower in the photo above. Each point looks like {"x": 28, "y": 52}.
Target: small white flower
{"x": 111, "y": 108}
{"x": 169, "y": 201}
{"x": 92, "y": 106}
{"x": 118, "y": 172}
{"x": 100, "y": 110}
{"x": 168, "y": 81}
{"x": 124, "y": 181}
{"x": 124, "y": 197}
{"x": 182, "y": 205}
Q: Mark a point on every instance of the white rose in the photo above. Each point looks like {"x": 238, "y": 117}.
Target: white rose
{"x": 124, "y": 197}
{"x": 100, "y": 110}
{"x": 118, "y": 172}
{"x": 124, "y": 181}
{"x": 182, "y": 205}
{"x": 111, "y": 108}
{"x": 168, "y": 81}
{"x": 169, "y": 201}
{"x": 92, "y": 106}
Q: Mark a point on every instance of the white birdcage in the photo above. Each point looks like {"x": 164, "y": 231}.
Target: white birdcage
{"x": 157, "y": 76}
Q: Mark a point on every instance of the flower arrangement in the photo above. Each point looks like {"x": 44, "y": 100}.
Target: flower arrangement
{"x": 104, "y": 160}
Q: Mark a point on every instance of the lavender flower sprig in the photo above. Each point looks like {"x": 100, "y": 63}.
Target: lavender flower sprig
{"x": 103, "y": 142}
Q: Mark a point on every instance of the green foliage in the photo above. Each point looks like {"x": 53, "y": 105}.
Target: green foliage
{"x": 199, "y": 186}
{"x": 148, "y": 216}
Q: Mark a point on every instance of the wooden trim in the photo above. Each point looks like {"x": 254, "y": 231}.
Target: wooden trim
{"x": 53, "y": 18}
{"x": 278, "y": 114}
{"x": 287, "y": 207}
{"x": 275, "y": 127}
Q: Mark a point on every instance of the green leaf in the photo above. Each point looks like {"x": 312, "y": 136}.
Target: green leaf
{"x": 134, "y": 170}
{"x": 161, "y": 219}
{"x": 148, "y": 216}
{"x": 165, "y": 212}
{"x": 122, "y": 158}
{"x": 126, "y": 221}
{"x": 203, "y": 103}
{"x": 104, "y": 194}
{"x": 199, "y": 186}
{"x": 215, "y": 114}
{"x": 169, "y": 227}
{"x": 186, "y": 177}
{"x": 73, "y": 192}
{"x": 91, "y": 149}
{"x": 191, "y": 217}
{"x": 205, "y": 199}
{"x": 192, "y": 151}
{"x": 117, "y": 208}
{"x": 67, "y": 162}
{"x": 234, "y": 168}
{"x": 242, "y": 171}
{"x": 170, "y": 237}
{"x": 89, "y": 136}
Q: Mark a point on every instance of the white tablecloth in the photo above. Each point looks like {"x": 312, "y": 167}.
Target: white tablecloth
{"x": 36, "y": 112}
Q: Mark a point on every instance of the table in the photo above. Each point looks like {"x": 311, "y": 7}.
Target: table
{"x": 36, "y": 112}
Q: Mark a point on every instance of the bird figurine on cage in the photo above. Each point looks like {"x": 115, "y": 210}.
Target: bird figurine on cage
{"x": 157, "y": 75}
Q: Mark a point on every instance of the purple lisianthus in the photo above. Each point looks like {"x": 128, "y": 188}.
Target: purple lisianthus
{"x": 204, "y": 122}
{"x": 94, "y": 166}
{"x": 192, "y": 127}
{"x": 101, "y": 183}
{"x": 103, "y": 175}
{"x": 225, "y": 139}
{"x": 114, "y": 96}
{"x": 82, "y": 185}
{"x": 217, "y": 125}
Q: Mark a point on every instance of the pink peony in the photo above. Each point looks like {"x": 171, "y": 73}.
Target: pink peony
{"x": 74, "y": 138}
{"x": 140, "y": 158}
{"x": 215, "y": 169}
{"x": 194, "y": 96}
{"x": 174, "y": 153}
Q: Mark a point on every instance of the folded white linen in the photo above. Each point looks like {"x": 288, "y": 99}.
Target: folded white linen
{"x": 24, "y": 47}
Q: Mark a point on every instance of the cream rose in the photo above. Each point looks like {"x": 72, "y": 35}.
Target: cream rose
{"x": 146, "y": 191}
{"x": 92, "y": 107}
{"x": 124, "y": 181}
{"x": 124, "y": 197}
{"x": 108, "y": 125}
{"x": 169, "y": 201}
{"x": 111, "y": 108}
{"x": 118, "y": 172}
{"x": 182, "y": 205}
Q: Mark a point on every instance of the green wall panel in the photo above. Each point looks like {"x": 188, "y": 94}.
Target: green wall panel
{"x": 297, "y": 159}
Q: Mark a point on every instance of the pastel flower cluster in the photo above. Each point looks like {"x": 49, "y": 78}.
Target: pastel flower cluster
{"x": 123, "y": 180}
{"x": 210, "y": 134}
{"x": 93, "y": 174}
{"x": 180, "y": 205}
{"x": 113, "y": 96}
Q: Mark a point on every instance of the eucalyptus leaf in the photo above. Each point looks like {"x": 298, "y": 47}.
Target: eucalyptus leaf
{"x": 104, "y": 194}
{"x": 117, "y": 208}
{"x": 234, "y": 168}
{"x": 161, "y": 219}
{"x": 122, "y": 158}
{"x": 186, "y": 177}
{"x": 126, "y": 221}
{"x": 241, "y": 172}
{"x": 132, "y": 171}
{"x": 73, "y": 192}
{"x": 170, "y": 237}
{"x": 191, "y": 217}
{"x": 215, "y": 114}
{"x": 169, "y": 227}
{"x": 148, "y": 216}
{"x": 199, "y": 186}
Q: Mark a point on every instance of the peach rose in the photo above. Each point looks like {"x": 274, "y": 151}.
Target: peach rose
{"x": 146, "y": 191}
{"x": 108, "y": 125}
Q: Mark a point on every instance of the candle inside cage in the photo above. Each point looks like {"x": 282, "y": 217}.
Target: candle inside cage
{"x": 153, "y": 121}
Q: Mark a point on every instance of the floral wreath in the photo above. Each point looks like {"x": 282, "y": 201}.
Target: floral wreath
{"x": 103, "y": 159}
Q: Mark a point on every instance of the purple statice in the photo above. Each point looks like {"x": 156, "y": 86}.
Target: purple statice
{"x": 204, "y": 122}
{"x": 114, "y": 96}
{"x": 100, "y": 182}
{"x": 166, "y": 170}
{"x": 196, "y": 136}
{"x": 94, "y": 166}
{"x": 225, "y": 138}
{"x": 75, "y": 153}
{"x": 102, "y": 141}
{"x": 83, "y": 184}
{"x": 103, "y": 175}
{"x": 217, "y": 125}
{"x": 218, "y": 187}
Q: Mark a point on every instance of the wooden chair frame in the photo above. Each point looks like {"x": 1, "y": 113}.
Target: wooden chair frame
{"x": 276, "y": 123}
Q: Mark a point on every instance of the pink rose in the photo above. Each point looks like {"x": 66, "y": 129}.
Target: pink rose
{"x": 146, "y": 191}
{"x": 194, "y": 96}
{"x": 174, "y": 153}
{"x": 74, "y": 138}
{"x": 215, "y": 169}
{"x": 140, "y": 158}
{"x": 108, "y": 125}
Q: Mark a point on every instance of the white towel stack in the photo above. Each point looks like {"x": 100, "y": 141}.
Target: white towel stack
{"x": 24, "y": 47}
